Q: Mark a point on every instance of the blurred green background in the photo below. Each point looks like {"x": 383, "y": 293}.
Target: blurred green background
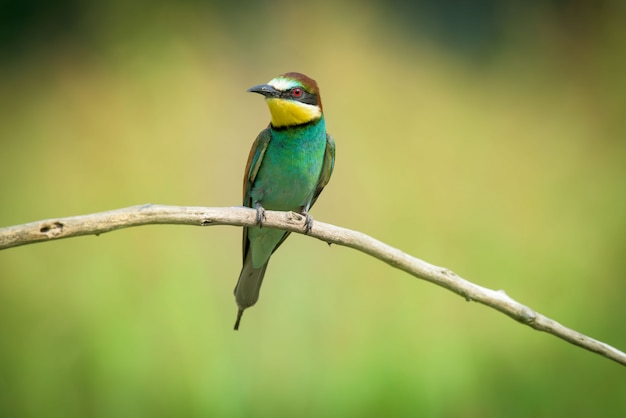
{"x": 486, "y": 136}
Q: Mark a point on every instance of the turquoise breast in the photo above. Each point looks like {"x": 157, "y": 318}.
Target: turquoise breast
{"x": 291, "y": 167}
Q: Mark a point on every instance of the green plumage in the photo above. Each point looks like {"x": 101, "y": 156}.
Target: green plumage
{"x": 286, "y": 180}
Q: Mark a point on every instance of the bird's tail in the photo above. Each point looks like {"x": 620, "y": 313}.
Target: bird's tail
{"x": 248, "y": 286}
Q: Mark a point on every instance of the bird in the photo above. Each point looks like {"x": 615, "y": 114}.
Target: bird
{"x": 290, "y": 163}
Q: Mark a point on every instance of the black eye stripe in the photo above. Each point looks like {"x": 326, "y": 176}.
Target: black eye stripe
{"x": 306, "y": 97}
{"x": 309, "y": 98}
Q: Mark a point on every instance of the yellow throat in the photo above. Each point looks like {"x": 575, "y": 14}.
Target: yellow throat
{"x": 290, "y": 113}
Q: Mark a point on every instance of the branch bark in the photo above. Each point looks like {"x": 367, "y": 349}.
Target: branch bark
{"x": 98, "y": 223}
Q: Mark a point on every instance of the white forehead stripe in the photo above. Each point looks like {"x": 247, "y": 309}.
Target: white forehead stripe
{"x": 282, "y": 84}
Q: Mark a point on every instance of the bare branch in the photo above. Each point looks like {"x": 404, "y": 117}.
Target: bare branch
{"x": 98, "y": 223}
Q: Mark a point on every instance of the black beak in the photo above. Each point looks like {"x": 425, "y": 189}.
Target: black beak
{"x": 265, "y": 89}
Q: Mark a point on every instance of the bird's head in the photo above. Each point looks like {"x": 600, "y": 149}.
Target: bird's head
{"x": 293, "y": 99}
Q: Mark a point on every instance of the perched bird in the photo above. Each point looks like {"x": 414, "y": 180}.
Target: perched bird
{"x": 290, "y": 162}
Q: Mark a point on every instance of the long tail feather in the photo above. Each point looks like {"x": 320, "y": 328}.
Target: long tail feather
{"x": 248, "y": 286}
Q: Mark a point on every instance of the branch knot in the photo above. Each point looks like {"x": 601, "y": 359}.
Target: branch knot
{"x": 52, "y": 229}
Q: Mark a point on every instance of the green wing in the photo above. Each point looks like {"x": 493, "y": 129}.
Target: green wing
{"x": 255, "y": 159}
{"x": 327, "y": 168}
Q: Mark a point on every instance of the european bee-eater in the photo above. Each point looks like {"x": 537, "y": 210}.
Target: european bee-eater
{"x": 290, "y": 162}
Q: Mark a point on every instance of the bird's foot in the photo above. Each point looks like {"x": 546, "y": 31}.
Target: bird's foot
{"x": 308, "y": 222}
{"x": 260, "y": 214}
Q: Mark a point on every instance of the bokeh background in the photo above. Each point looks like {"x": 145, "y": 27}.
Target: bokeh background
{"x": 484, "y": 136}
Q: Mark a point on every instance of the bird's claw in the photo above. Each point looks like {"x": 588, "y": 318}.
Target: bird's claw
{"x": 260, "y": 214}
{"x": 308, "y": 223}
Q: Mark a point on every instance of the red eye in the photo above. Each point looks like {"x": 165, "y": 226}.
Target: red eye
{"x": 297, "y": 92}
